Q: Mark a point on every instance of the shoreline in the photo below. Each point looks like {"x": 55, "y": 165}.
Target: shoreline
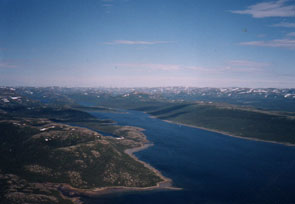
{"x": 228, "y": 134}
{"x": 74, "y": 194}
{"x": 166, "y": 183}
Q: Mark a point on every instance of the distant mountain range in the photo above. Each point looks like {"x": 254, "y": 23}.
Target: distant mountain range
{"x": 261, "y": 98}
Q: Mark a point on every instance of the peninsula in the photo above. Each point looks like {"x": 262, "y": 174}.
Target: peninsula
{"x": 46, "y": 160}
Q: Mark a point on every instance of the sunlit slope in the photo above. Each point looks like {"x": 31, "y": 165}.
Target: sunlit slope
{"x": 234, "y": 120}
{"x": 37, "y": 155}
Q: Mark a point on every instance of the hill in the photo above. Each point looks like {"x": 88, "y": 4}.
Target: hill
{"x": 233, "y": 120}
{"x": 40, "y": 153}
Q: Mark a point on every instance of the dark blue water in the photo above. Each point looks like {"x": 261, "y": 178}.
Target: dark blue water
{"x": 210, "y": 167}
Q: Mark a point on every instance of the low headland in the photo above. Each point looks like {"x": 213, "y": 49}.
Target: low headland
{"x": 240, "y": 122}
{"x": 229, "y": 134}
{"x": 139, "y": 143}
{"x": 164, "y": 184}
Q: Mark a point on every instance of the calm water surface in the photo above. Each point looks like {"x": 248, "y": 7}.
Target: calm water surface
{"x": 210, "y": 167}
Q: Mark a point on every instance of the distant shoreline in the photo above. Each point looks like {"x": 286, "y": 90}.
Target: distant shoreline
{"x": 227, "y": 134}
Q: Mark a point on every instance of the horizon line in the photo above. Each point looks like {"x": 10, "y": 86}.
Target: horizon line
{"x": 137, "y": 87}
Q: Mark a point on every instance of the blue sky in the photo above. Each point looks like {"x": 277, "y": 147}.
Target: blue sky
{"x": 125, "y": 43}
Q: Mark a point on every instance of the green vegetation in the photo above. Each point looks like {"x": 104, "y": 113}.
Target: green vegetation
{"x": 45, "y": 144}
{"x": 234, "y": 120}
{"x": 238, "y": 120}
{"x": 36, "y": 149}
{"x": 243, "y": 121}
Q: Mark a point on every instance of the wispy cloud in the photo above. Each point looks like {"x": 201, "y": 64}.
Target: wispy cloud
{"x": 247, "y": 63}
{"x": 232, "y": 66}
{"x": 132, "y": 42}
{"x": 278, "y": 8}
{"x": 107, "y": 5}
{"x": 245, "y": 66}
{"x": 162, "y": 67}
{"x": 280, "y": 43}
{"x": 284, "y": 25}
{"x": 7, "y": 65}
{"x": 261, "y": 35}
{"x": 292, "y": 34}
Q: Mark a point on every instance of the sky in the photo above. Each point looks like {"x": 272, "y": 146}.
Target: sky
{"x": 147, "y": 43}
